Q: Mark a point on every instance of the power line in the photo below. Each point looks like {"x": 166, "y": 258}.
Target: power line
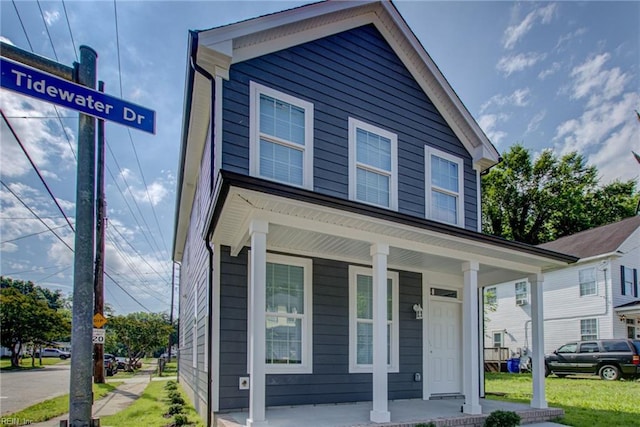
{"x": 125, "y": 291}
{"x": 26, "y": 153}
{"x": 31, "y": 271}
{"x": 73, "y": 43}
{"x": 30, "y": 235}
{"x": 35, "y": 214}
{"x": 115, "y": 13}
{"x": 46, "y": 27}
{"x": 22, "y": 25}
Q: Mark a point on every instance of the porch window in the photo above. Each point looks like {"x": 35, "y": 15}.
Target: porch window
{"x": 281, "y": 137}
{"x": 587, "y": 278}
{"x": 361, "y": 320}
{"x": 288, "y": 315}
{"x": 444, "y": 187}
{"x": 373, "y": 165}
{"x": 522, "y": 295}
{"x": 588, "y": 329}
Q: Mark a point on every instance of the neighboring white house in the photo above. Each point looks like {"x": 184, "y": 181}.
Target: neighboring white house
{"x": 597, "y": 297}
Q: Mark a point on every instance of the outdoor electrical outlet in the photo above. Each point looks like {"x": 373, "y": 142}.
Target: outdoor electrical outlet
{"x": 244, "y": 383}
{"x": 417, "y": 377}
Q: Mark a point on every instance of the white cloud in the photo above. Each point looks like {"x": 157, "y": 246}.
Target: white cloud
{"x": 535, "y": 121}
{"x": 555, "y": 67}
{"x": 519, "y": 98}
{"x": 51, "y": 17}
{"x": 519, "y": 62}
{"x": 598, "y": 84}
{"x": 514, "y": 33}
{"x": 569, "y": 36}
{"x": 488, "y": 123}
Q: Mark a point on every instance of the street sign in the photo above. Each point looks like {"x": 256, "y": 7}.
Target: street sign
{"x": 47, "y": 87}
{"x": 98, "y": 336}
{"x": 99, "y": 320}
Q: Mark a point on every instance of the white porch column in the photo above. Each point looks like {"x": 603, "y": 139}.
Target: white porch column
{"x": 470, "y": 341}
{"x": 539, "y": 399}
{"x": 257, "y": 381}
{"x": 380, "y": 412}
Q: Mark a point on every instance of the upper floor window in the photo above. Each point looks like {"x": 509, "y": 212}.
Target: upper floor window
{"x": 490, "y": 296}
{"x": 588, "y": 329}
{"x": 444, "y": 187}
{"x": 361, "y": 320}
{"x": 629, "y": 278}
{"x": 373, "y": 165}
{"x": 522, "y": 295}
{"x": 587, "y": 279}
{"x": 281, "y": 137}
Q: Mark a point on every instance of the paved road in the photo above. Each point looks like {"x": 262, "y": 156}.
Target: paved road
{"x": 20, "y": 389}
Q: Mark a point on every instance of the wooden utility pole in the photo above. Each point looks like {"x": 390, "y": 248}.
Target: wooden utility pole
{"x": 98, "y": 303}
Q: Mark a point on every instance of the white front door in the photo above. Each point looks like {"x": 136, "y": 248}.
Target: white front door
{"x": 444, "y": 346}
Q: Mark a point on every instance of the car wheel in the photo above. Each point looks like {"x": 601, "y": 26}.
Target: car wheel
{"x": 609, "y": 372}
{"x": 63, "y": 357}
{"x": 561, "y": 375}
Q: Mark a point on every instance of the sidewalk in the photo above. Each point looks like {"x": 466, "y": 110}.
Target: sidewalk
{"x": 115, "y": 401}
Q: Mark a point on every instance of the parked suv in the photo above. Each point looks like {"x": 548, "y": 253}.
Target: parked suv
{"x": 53, "y": 352}
{"x": 611, "y": 359}
{"x": 110, "y": 364}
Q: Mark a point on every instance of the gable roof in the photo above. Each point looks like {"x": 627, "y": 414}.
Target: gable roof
{"x": 596, "y": 241}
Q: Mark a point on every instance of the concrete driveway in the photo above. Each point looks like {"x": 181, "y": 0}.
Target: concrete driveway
{"x": 20, "y": 389}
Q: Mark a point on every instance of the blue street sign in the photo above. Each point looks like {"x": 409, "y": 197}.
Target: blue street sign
{"x": 47, "y": 87}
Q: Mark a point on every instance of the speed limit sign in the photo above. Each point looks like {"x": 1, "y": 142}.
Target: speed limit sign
{"x": 98, "y": 336}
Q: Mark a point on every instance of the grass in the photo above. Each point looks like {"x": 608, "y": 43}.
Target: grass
{"x": 149, "y": 410}
{"x": 587, "y": 402}
{"x": 51, "y": 408}
{"x": 25, "y": 363}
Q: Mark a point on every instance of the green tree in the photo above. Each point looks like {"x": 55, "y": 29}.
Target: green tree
{"x": 26, "y": 317}
{"x": 536, "y": 201}
{"x": 139, "y": 333}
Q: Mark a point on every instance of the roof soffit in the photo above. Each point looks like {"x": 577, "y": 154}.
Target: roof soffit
{"x": 281, "y": 30}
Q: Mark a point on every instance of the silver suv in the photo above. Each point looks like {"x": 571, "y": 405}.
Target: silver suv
{"x": 54, "y": 352}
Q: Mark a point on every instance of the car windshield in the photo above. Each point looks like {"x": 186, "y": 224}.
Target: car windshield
{"x": 636, "y": 344}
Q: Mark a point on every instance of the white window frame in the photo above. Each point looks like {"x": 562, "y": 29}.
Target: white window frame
{"x": 394, "y": 365}
{"x": 431, "y": 151}
{"x": 493, "y": 339}
{"x": 354, "y": 125}
{"x": 628, "y": 280}
{"x": 595, "y": 282}
{"x": 584, "y": 337}
{"x": 521, "y": 298}
{"x": 495, "y": 295}
{"x": 306, "y": 367}
{"x": 255, "y": 90}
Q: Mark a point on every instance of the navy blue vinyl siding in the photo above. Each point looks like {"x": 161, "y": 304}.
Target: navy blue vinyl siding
{"x": 351, "y": 74}
{"x": 330, "y": 381}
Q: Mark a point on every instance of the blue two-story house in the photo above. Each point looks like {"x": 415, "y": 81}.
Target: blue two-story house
{"x": 328, "y": 219}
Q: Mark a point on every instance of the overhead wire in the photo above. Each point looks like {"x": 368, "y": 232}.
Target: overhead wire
{"x": 22, "y": 25}
{"x": 46, "y": 27}
{"x": 30, "y": 235}
{"x": 73, "y": 43}
{"x": 35, "y": 168}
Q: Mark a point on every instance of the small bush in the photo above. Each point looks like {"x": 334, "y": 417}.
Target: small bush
{"x": 180, "y": 420}
{"x": 177, "y": 400}
{"x": 173, "y": 393}
{"x": 176, "y": 408}
{"x": 431, "y": 424}
{"x": 171, "y": 385}
{"x": 502, "y": 419}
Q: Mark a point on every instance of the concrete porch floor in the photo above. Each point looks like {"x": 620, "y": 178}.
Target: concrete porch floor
{"x": 404, "y": 413}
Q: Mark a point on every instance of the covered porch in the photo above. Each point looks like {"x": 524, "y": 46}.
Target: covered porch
{"x": 273, "y": 218}
{"x": 405, "y": 413}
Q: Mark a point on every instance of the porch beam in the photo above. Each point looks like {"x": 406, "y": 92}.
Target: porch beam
{"x": 258, "y": 230}
{"x": 380, "y": 412}
{"x": 470, "y": 341}
{"x": 537, "y": 332}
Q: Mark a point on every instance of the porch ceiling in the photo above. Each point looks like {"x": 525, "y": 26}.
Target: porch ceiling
{"x": 345, "y": 230}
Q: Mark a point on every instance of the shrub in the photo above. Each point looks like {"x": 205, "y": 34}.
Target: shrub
{"x": 173, "y": 393}
{"x": 171, "y": 385}
{"x": 176, "y": 408}
{"x": 180, "y": 420}
{"x": 431, "y": 424}
{"x": 177, "y": 400}
{"x": 502, "y": 419}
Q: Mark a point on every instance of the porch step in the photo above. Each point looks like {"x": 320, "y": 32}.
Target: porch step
{"x": 442, "y": 396}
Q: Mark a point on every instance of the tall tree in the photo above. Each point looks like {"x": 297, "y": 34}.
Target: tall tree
{"x": 139, "y": 333}
{"x": 27, "y": 317}
{"x": 535, "y": 201}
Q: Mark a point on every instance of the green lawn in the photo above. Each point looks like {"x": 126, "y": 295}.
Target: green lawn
{"x": 5, "y": 363}
{"x": 149, "y": 410}
{"x": 587, "y": 402}
{"x": 51, "y": 408}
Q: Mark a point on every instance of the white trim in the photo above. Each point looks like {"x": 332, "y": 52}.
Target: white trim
{"x": 215, "y": 333}
{"x": 428, "y": 152}
{"x": 217, "y": 129}
{"x": 597, "y": 329}
{"x": 595, "y": 283}
{"x": 479, "y": 204}
{"x": 354, "y": 367}
{"x": 255, "y": 90}
{"x": 355, "y": 124}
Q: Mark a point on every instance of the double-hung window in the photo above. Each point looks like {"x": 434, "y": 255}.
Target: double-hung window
{"x": 588, "y": 329}
{"x": 361, "y": 320}
{"x": 629, "y": 278}
{"x": 444, "y": 187}
{"x": 522, "y": 296}
{"x": 281, "y": 137}
{"x": 587, "y": 279}
{"x": 288, "y": 315}
{"x": 373, "y": 165}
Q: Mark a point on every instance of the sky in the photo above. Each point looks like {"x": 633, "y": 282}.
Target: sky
{"x": 562, "y": 76}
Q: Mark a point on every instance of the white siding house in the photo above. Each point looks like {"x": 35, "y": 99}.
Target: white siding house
{"x": 597, "y": 297}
